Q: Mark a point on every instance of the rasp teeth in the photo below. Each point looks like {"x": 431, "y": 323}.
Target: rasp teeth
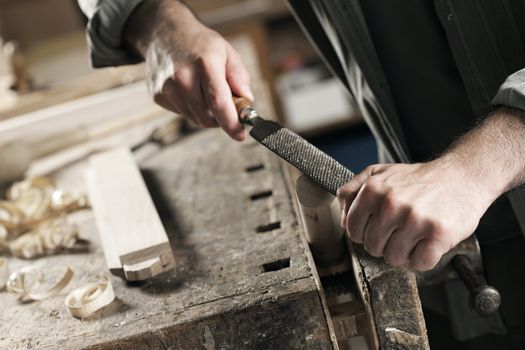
{"x": 313, "y": 162}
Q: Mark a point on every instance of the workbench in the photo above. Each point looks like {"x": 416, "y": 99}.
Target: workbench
{"x": 243, "y": 277}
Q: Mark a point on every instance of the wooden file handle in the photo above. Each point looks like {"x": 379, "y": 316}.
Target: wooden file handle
{"x": 241, "y": 103}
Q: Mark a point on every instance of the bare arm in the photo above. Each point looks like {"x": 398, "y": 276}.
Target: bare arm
{"x": 412, "y": 214}
{"x": 190, "y": 68}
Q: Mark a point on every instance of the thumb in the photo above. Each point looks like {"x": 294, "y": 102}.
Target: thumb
{"x": 237, "y": 76}
{"x": 347, "y": 193}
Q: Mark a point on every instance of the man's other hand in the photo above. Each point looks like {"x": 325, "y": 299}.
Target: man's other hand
{"x": 412, "y": 214}
{"x": 190, "y": 69}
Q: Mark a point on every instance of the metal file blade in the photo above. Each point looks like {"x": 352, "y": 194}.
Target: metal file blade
{"x": 294, "y": 149}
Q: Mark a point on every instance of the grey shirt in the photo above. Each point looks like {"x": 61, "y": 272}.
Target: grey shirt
{"x": 107, "y": 19}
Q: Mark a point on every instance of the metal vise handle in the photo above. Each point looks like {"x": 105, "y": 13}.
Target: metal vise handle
{"x": 484, "y": 299}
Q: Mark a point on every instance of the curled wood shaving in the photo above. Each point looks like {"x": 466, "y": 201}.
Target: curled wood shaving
{"x": 83, "y": 302}
{"x": 50, "y": 237}
{"x": 67, "y": 202}
{"x": 27, "y": 284}
{"x": 34, "y": 200}
{"x": 4, "y": 272}
{"x": 17, "y": 190}
{"x": 11, "y": 217}
{"x": 32, "y": 196}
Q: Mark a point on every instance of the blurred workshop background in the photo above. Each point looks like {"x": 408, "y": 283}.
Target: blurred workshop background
{"x": 44, "y": 62}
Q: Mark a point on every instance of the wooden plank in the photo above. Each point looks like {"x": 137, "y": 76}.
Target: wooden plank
{"x": 121, "y": 102}
{"x": 93, "y": 83}
{"x": 135, "y": 243}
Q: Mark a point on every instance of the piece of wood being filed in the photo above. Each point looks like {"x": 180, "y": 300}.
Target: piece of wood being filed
{"x": 321, "y": 216}
{"x": 134, "y": 241}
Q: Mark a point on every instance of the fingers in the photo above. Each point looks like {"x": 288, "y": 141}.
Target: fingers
{"x": 382, "y": 226}
{"x": 170, "y": 98}
{"x": 187, "y": 85}
{"x": 347, "y": 193}
{"x": 218, "y": 96}
{"x": 201, "y": 87}
{"x": 426, "y": 255}
{"x": 363, "y": 209}
{"x": 237, "y": 76}
{"x": 202, "y": 93}
{"x": 400, "y": 245}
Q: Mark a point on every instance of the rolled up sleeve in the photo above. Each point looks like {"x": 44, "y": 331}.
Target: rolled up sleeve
{"x": 512, "y": 91}
{"x": 107, "y": 19}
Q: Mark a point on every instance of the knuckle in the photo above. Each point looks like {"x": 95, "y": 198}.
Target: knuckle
{"x": 390, "y": 201}
{"x": 347, "y": 187}
{"x": 370, "y": 169}
{"x": 217, "y": 101}
{"x": 233, "y": 52}
{"x": 374, "y": 250}
{"x": 427, "y": 259}
{"x": 182, "y": 79}
{"x": 206, "y": 63}
{"x": 202, "y": 61}
{"x": 414, "y": 216}
{"x": 393, "y": 255}
{"x": 437, "y": 229}
{"x": 180, "y": 74}
{"x": 372, "y": 187}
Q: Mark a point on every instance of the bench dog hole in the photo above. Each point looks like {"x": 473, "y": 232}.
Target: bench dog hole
{"x": 269, "y": 227}
{"x": 255, "y": 167}
{"x": 276, "y": 265}
{"x": 261, "y": 195}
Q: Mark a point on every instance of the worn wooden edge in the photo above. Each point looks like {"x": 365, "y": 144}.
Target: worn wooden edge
{"x": 185, "y": 331}
{"x": 364, "y": 294}
{"x": 394, "y": 299}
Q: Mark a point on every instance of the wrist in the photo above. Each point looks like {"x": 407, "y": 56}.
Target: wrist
{"x": 471, "y": 177}
{"x": 153, "y": 18}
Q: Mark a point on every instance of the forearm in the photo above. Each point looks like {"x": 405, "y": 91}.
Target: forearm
{"x": 493, "y": 153}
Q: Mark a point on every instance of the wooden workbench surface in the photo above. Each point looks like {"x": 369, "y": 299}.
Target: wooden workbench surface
{"x": 220, "y": 295}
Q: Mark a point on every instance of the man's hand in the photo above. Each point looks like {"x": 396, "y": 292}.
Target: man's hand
{"x": 412, "y": 214}
{"x": 190, "y": 69}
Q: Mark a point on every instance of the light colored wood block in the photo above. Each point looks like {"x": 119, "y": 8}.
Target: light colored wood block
{"x": 133, "y": 238}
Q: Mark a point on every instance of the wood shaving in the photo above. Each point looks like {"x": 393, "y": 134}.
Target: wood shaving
{"x": 4, "y": 272}
{"x": 34, "y": 200}
{"x": 3, "y": 238}
{"x": 67, "y": 202}
{"x": 35, "y": 208}
{"x": 83, "y": 302}
{"x": 33, "y": 197}
{"x": 11, "y": 216}
{"x": 49, "y": 238}
{"x": 27, "y": 284}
